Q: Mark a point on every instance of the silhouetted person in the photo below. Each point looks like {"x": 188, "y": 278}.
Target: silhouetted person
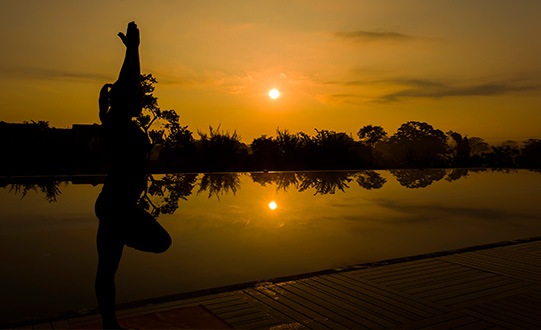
{"x": 121, "y": 220}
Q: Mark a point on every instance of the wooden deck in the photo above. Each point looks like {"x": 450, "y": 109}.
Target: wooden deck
{"x": 494, "y": 288}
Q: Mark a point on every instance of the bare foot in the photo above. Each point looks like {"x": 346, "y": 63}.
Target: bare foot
{"x": 112, "y": 325}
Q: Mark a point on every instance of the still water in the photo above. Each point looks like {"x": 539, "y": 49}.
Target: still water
{"x": 237, "y": 227}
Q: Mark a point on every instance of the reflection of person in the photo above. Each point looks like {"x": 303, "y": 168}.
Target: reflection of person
{"x": 121, "y": 221}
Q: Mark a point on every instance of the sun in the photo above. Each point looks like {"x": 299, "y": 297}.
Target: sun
{"x": 273, "y": 205}
{"x": 274, "y": 93}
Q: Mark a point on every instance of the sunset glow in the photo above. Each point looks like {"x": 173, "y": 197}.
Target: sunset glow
{"x": 344, "y": 63}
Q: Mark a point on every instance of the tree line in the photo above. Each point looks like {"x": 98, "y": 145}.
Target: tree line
{"x": 414, "y": 145}
{"x": 37, "y": 148}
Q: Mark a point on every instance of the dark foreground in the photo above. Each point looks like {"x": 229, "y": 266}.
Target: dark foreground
{"x": 488, "y": 287}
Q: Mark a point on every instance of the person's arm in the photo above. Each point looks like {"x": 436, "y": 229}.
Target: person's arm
{"x": 126, "y": 93}
{"x": 130, "y": 71}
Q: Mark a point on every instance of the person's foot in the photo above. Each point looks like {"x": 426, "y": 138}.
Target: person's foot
{"x": 112, "y": 325}
{"x": 131, "y": 38}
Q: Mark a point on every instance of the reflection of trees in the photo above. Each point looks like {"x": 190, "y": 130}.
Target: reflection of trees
{"x": 370, "y": 180}
{"x": 49, "y": 187}
{"x": 163, "y": 194}
{"x": 418, "y": 178}
{"x": 282, "y": 179}
{"x": 285, "y": 179}
{"x": 456, "y": 174}
{"x": 504, "y": 170}
{"x": 324, "y": 182}
{"x": 328, "y": 182}
{"x": 217, "y": 184}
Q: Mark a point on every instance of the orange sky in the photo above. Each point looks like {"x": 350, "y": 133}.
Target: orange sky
{"x": 468, "y": 66}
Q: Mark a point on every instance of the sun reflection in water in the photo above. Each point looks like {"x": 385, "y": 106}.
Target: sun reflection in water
{"x": 273, "y": 205}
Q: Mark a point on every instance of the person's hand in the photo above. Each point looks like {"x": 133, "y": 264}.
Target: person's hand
{"x": 131, "y": 38}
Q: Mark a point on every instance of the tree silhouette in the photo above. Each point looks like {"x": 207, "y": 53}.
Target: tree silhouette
{"x": 531, "y": 154}
{"x": 505, "y": 155}
{"x": 265, "y": 152}
{"x": 418, "y": 144}
{"x": 151, "y": 112}
{"x": 370, "y": 137}
{"x": 478, "y": 146}
{"x": 167, "y": 129}
{"x": 221, "y": 151}
{"x": 460, "y": 149}
{"x": 333, "y": 150}
{"x": 371, "y": 134}
{"x": 176, "y": 136}
{"x": 291, "y": 147}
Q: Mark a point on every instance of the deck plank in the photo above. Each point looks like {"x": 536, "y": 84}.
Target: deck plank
{"x": 367, "y": 314}
{"x": 44, "y": 325}
{"x": 345, "y": 316}
{"x": 532, "y": 247}
{"x": 420, "y": 279}
{"x": 429, "y": 286}
{"x": 401, "y": 300}
{"x": 444, "y": 321}
{"x": 528, "y": 273}
{"x": 243, "y": 320}
{"x": 467, "y": 288}
{"x": 292, "y": 315}
{"x": 483, "y": 296}
{"x": 207, "y": 300}
{"x": 429, "y": 265}
{"x": 306, "y": 307}
{"x": 374, "y": 304}
{"x": 263, "y": 323}
{"x": 61, "y": 324}
{"x": 506, "y": 312}
{"x": 524, "y": 261}
{"x": 399, "y": 276}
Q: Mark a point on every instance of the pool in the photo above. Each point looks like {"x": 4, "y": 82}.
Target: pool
{"x": 236, "y": 227}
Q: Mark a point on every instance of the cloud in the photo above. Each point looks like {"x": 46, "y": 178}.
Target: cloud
{"x": 48, "y": 74}
{"x": 372, "y": 35}
{"x": 433, "y": 89}
{"x": 343, "y": 98}
{"x": 425, "y": 88}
